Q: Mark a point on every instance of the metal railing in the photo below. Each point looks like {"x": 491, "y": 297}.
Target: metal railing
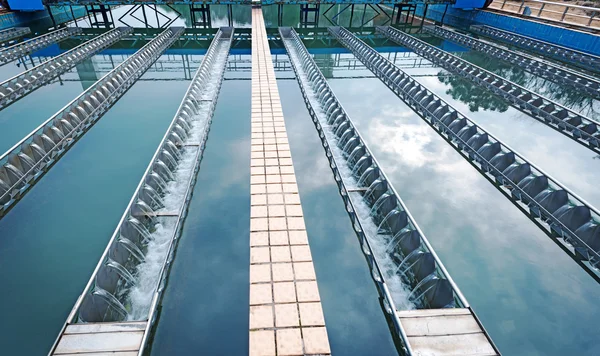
{"x": 27, "y": 161}
{"x": 187, "y": 134}
{"x": 19, "y": 50}
{"x": 567, "y": 55}
{"x": 22, "y": 84}
{"x": 346, "y": 139}
{"x": 577, "y": 127}
{"x": 541, "y": 68}
{"x": 12, "y": 33}
{"x": 557, "y": 12}
{"x": 565, "y": 217}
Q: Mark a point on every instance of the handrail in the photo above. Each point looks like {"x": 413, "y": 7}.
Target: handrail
{"x": 563, "y": 4}
{"x": 542, "y": 10}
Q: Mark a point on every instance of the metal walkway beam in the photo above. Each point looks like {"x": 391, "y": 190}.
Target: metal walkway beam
{"x": 570, "y": 221}
{"x": 22, "y": 84}
{"x": 19, "y": 50}
{"x": 543, "y": 69}
{"x": 577, "y": 127}
{"x": 359, "y": 178}
{"x": 24, "y": 164}
{"x": 12, "y": 33}
{"x": 95, "y": 324}
{"x": 581, "y": 59}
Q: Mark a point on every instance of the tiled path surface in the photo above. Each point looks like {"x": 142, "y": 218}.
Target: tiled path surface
{"x": 286, "y": 317}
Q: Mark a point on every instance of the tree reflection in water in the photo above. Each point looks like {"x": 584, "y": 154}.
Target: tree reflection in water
{"x": 478, "y": 98}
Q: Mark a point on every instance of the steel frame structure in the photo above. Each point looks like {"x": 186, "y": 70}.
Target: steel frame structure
{"x": 104, "y": 11}
{"x": 19, "y": 50}
{"x": 22, "y": 84}
{"x": 154, "y": 10}
{"x": 541, "y": 68}
{"x": 570, "y": 221}
{"x": 13, "y": 32}
{"x": 575, "y": 126}
{"x": 361, "y": 162}
{"x": 581, "y": 59}
{"x": 23, "y": 165}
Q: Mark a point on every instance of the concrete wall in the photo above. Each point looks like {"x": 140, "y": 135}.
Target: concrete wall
{"x": 561, "y": 36}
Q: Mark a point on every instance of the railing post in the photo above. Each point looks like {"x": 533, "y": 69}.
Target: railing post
{"x": 564, "y": 14}
{"x": 503, "y": 3}
{"x": 541, "y": 9}
{"x": 591, "y": 18}
{"x": 521, "y": 7}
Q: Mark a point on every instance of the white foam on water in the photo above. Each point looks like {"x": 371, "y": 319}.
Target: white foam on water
{"x": 147, "y": 274}
{"x": 378, "y": 243}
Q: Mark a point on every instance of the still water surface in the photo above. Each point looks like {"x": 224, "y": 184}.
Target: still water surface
{"x": 531, "y": 297}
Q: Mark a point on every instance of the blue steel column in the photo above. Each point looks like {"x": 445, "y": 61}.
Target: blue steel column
{"x": 569, "y": 220}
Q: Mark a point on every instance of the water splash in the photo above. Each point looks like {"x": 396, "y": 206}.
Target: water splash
{"x": 148, "y": 273}
{"x": 400, "y": 292}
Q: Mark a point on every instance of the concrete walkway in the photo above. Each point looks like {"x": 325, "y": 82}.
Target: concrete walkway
{"x": 286, "y": 317}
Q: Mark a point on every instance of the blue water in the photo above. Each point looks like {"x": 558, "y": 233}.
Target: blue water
{"x": 205, "y": 306}
{"x": 531, "y": 297}
{"x": 355, "y": 322}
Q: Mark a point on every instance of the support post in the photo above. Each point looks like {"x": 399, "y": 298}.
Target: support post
{"x": 51, "y": 16}
{"x": 279, "y": 15}
{"x": 73, "y": 15}
{"x": 230, "y": 15}
{"x": 444, "y": 14}
{"x": 362, "y": 23}
{"x": 144, "y": 13}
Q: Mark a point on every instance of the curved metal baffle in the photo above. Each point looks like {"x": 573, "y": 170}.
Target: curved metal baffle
{"x": 22, "y": 84}
{"x": 577, "y": 127}
{"x": 27, "y": 161}
{"x": 566, "y": 218}
{"x": 580, "y": 59}
{"x": 19, "y": 50}
{"x": 152, "y": 221}
{"x": 354, "y": 166}
{"x": 13, "y": 32}
{"x": 541, "y": 68}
